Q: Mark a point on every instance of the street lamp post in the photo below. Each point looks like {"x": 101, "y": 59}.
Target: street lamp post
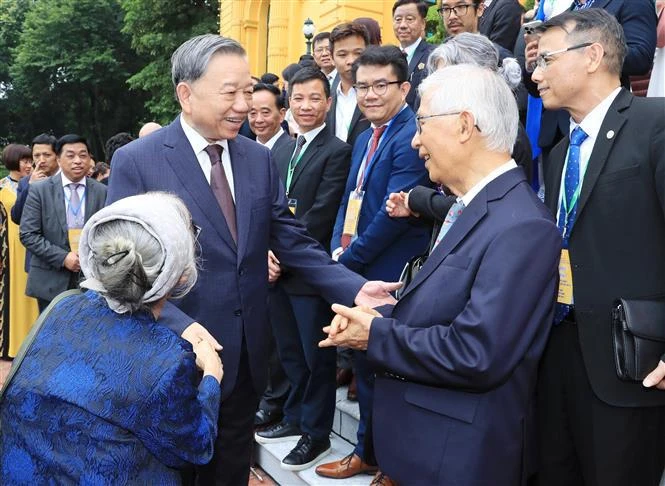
{"x": 308, "y": 31}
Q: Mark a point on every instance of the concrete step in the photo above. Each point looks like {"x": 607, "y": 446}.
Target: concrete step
{"x": 342, "y": 439}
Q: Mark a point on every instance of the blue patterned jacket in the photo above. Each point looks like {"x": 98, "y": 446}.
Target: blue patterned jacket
{"x": 104, "y": 398}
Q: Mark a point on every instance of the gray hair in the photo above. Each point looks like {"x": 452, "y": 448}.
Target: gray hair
{"x": 476, "y": 49}
{"x": 190, "y": 61}
{"x": 482, "y": 92}
{"x": 139, "y": 250}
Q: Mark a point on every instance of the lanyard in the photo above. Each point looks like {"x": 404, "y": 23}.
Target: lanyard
{"x": 573, "y": 200}
{"x": 293, "y": 163}
{"x": 75, "y": 210}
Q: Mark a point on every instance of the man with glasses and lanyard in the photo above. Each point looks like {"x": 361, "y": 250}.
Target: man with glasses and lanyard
{"x": 365, "y": 238}
{"x": 605, "y": 185}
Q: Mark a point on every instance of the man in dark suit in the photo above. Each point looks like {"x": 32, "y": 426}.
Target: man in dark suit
{"x": 409, "y": 28}
{"x": 501, "y": 21}
{"x": 238, "y": 208}
{"x": 266, "y": 116}
{"x": 52, "y": 219}
{"x": 456, "y": 357}
{"x": 606, "y": 188}
{"x": 638, "y": 20}
{"x": 365, "y": 238}
{"x": 314, "y": 169}
{"x": 347, "y": 42}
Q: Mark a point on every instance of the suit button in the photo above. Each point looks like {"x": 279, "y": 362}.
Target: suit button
{"x": 241, "y": 272}
{"x": 237, "y": 312}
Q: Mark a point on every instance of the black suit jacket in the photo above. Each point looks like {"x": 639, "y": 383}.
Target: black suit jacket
{"x": 418, "y": 72}
{"x": 617, "y": 244}
{"x": 281, "y": 141}
{"x": 501, "y": 22}
{"x": 317, "y": 184}
{"x": 358, "y": 123}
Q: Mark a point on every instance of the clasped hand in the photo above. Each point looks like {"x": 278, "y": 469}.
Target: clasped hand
{"x": 350, "y": 327}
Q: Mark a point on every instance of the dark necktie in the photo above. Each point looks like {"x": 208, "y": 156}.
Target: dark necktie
{"x": 74, "y": 215}
{"x": 220, "y": 187}
{"x": 300, "y": 143}
{"x": 568, "y": 211}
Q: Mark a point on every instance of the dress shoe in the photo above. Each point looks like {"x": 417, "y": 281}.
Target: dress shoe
{"x": 352, "y": 392}
{"x": 306, "y": 453}
{"x": 266, "y": 417}
{"x": 343, "y": 376}
{"x": 345, "y": 468}
{"x": 380, "y": 479}
{"x": 279, "y": 432}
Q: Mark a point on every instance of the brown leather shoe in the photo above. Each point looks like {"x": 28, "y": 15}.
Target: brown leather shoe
{"x": 381, "y": 479}
{"x": 345, "y": 468}
{"x": 352, "y": 392}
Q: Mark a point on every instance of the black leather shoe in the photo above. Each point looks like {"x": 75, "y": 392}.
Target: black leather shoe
{"x": 279, "y": 432}
{"x": 306, "y": 453}
{"x": 266, "y": 417}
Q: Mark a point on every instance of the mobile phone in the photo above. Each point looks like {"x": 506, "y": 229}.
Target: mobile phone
{"x": 530, "y": 27}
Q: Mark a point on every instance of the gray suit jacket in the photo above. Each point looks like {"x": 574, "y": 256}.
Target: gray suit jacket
{"x": 43, "y": 232}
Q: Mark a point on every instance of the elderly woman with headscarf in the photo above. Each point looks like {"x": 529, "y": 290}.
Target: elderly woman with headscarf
{"x": 105, "y": 394}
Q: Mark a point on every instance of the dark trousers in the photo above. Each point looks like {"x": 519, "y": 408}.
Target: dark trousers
{"x": 298, "y": 324}
{"x": 235, "y": 437}
{"x": 364, "y": 374}
{"x": 583, "y": 440}
{"x": 277, "y": 391}
{"x": 42, "y": 304}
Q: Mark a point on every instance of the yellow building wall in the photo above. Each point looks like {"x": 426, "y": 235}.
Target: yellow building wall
{"x": 271, "y": 31}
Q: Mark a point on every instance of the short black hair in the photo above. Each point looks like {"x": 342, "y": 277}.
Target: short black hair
{"x": 383, "y": 56}
{"x": 115, "y": 142}
{"x": 279, "y": 101}
{"x": 290, "y": 70}
{"x": 67, "y": 139}
{"x": 420, "y": 5}
{"x": 269, "y": 78}
{"x": 349, "y": 29}
{"x": 319, "y": 37}
{"x": 308, "y": 74}
{"x": 44, "y": 139}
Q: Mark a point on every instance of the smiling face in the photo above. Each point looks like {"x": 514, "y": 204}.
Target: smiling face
{"x": 265, "y": 118}
{"x": 380, "y": 108}
{"x": 309, "y": 104}
{"x": 74, "y": 161}
{"x": 408, "y": 25}
{"x": 216, "y": 104}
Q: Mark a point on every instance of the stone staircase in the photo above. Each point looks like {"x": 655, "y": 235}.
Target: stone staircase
{"x": 342, "y": 440}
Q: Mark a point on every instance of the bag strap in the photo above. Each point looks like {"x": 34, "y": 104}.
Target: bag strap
{"x": 27, "y": 343}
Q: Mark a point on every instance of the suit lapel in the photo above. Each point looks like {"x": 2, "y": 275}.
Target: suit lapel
{"x": 179, "y": 154}
{"x": 415, "y": 59}
{"x": 402, "y": 117}
{"x": 90, "y": 198}
{"x": 59, "y": 202}
{"x": 613, "y": 122}
{"x": 282, "y": 161}
{"x": 309, "y": 154}
{"x": 243, "y": 196}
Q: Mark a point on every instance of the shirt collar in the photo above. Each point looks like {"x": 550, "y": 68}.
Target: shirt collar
{"x": 592, "y": 122}
{"x": 66, "y": 181}
{"x": 197, "y": 141}
{"x": 473, "y": 192}
{"x": 311, "y": 135}
{"x": 409, "y": 50}
{"x": 350, "y": 94}
{"x": 331, "y": 76}
{"x": 389, "y": 122}
{"x": 269, "y": 144}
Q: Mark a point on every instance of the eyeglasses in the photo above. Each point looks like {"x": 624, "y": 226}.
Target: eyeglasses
{"x": 322, "y": 49}
{"x": 379, "y": 88}
{"x": 544, "y": 60}
{"x": 458, "y": 10}
{"x": 419, "y": 118}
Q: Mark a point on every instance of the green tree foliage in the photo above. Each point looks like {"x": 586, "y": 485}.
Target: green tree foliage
{"x": 69, "y": 70}
{"x": 434, "y": 27}
{"x": 157, "y": 28}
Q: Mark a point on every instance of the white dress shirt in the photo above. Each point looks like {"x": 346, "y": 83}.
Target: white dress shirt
{"x": 346, "y": 105}
{"x": 68, "y": 193}
{"x": 410, "y": 50}
{"x": 480, "y": 185}
{"x": 269, "y": 144}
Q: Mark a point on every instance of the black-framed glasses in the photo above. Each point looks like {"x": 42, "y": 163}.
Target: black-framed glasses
{"x": 458, "y": 10}
{"x": 543, "y": 60}
{"x": 419, "y": 118}
{"x": 379, "y": 87}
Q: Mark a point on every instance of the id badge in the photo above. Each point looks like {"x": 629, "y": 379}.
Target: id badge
{"x": 353, "y": 212}
{"x": 74, "y": 237}
{"x": 565, "y": 295}
{"x": 293, "y": 205}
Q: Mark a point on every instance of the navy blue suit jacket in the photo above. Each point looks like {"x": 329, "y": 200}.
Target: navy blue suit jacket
{"x": 418, "y": 72}
{"x": 463, "y": 345}
{"x": 230, "y": 297}
{"x": 384, "y": 244}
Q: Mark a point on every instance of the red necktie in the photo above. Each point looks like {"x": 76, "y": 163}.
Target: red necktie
{"x": 220, "y": 187}
{"x": 376, "y": 136}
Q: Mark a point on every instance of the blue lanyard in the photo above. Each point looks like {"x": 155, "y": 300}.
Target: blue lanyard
{"x": 578, "y": 6}
{"x": 75, "y": 211}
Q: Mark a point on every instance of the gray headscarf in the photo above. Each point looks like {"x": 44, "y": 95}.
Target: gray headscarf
{"x": 166, "y": 219}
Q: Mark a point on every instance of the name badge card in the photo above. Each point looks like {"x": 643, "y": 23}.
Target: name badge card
{"x": 293, "y": 205}
{"x": 565, "y": 295}
{"x": 353, "y": 212}
{"x": 74, "y": 237}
